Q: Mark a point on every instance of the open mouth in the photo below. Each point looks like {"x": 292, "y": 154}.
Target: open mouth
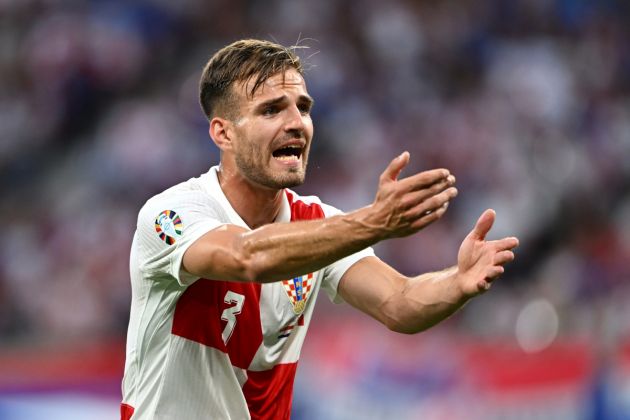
{"x": 290, "y": 153}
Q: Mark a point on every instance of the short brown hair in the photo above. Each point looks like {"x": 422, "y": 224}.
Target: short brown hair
{"x": 240, "y": 62}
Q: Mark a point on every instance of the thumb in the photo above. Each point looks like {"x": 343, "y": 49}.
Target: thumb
{"x": 483, "y": 225}
{"x": 395, "y": 167}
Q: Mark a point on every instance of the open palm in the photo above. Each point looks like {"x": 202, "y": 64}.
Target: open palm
{"x": 479, "y": 262}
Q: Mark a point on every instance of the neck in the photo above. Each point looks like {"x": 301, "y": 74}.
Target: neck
{"x": 256, "y": 205}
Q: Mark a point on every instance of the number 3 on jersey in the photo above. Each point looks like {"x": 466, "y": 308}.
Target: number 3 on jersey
{"x": 229, "y": 314}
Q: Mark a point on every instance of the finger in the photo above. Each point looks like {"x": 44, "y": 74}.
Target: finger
{"x": 424, "y": 179}
{"x": 432, "y": 204}
{"x": 503, "y": 257}
{"x": 494, "y": 272}
{"x": 483, "y": 225}
{"x": 483, "y": 286}
{"x": 395, "y": 167}
{"x": 414, "y": 198}
{"x": 429, "y": 218}
{"x": 505, "y": 243}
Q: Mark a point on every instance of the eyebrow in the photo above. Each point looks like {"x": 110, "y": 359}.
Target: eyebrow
{"x": 276, "y": 101}
{"x": 272, "y": 102}
{"x": 306, "y": 98}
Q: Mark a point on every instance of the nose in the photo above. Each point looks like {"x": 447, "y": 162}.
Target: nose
{"x": 294, "y": 123}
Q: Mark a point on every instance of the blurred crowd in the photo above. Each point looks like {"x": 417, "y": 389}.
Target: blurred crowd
{"x": 526, "y": 102}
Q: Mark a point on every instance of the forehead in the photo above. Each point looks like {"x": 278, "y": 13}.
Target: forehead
{"x": 278, "y": 84}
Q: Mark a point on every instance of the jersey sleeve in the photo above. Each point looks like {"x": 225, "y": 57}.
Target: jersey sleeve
{"x": 167, "y": 226}
{"x": 335, "y": 271}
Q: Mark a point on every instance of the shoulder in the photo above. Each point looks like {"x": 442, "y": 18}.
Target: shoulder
{"x": 191, "y": 195}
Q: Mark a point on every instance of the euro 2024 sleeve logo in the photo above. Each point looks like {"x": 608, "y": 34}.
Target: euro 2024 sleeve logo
{"x": 169, "y": 226}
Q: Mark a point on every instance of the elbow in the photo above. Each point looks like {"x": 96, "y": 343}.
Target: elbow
{"x": 250, "y": 268}
{"x": 390, "y": 318}
{"x": 253, "y": 265}
{"x": 393, "y": 317}
{"x": 401, "y": 327}
{"x": 393, "y": 325}
{"x": 229, "y": 256}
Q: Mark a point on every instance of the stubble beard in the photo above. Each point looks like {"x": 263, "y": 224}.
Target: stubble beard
{"x": 262, "y": 175}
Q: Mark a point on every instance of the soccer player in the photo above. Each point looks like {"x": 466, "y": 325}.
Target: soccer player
{"x": 226, "y": 267}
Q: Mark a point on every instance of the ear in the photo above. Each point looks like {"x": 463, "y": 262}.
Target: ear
{"x": 221, "y": 132}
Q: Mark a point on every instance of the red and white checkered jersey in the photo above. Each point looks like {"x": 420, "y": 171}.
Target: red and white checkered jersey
{"x": 210, "y": 349}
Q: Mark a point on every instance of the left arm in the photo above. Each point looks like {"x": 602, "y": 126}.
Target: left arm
{"x": 413, "y": 304}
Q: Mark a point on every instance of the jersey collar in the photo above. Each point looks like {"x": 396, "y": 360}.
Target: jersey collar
{"x": 212, "y": 187}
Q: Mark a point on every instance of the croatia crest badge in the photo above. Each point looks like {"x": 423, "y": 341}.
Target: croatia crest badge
{"x": 298, "y": 290}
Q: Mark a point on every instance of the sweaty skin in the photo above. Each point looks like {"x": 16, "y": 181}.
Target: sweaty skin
{"x": 278, "y": 251}
{"x": 413, "y": 304}
{"x": 253, "y": 174}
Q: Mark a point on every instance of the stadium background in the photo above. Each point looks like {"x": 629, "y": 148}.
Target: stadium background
{"x": 527, "y": 102}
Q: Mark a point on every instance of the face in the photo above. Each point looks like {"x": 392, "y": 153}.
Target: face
{"x": 273, "y": 132}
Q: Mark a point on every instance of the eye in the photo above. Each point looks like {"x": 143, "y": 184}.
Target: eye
{"x": 305, "y": 109}
{"x": 269, "y": 110}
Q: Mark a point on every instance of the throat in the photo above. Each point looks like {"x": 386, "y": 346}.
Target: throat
{"x": 264, "y": 212}
{"x": 257, "y": 206}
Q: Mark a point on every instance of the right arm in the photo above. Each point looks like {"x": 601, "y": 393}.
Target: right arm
{"x": 281, "y": 250}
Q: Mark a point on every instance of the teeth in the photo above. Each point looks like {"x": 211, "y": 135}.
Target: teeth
{"x": 289, "y": 153}
{"x": 287, "y": 158}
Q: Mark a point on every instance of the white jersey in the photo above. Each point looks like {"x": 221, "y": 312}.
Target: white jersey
{"x": 210, "y": 349}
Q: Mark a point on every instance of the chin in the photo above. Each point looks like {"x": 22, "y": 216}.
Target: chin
{"x": 277, "y": 181}
{"x": 289, "y": 180}
{"x": 293, "y": 183}
{"x": 270, "y": 177}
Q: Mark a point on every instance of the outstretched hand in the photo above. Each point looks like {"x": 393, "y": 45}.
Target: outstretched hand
{"x": 480, "y": 262}
{"x": 404, "y": 206}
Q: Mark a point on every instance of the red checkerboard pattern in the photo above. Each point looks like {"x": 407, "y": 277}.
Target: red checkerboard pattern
{"x": 307, "y": 285}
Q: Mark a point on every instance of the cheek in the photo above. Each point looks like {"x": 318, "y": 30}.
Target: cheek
{"x": 253, "y": 145}
{"x": 308, "y": 124}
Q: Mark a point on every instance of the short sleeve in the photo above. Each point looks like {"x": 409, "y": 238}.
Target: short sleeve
{"x": 335, "y": 271}
{"x": 168, "y": 225}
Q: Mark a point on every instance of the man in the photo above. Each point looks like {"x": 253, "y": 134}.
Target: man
{"x": 225, "y": 268}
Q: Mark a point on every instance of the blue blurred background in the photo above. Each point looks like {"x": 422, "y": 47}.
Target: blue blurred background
{"x": 527, "y": 102}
